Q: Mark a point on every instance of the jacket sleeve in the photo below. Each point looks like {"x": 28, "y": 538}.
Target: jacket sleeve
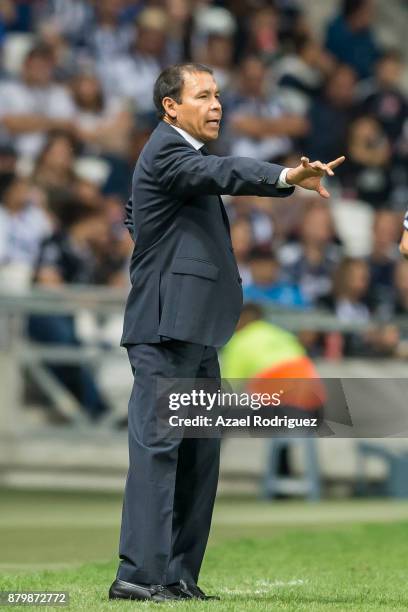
{"x": 184, "y": 172}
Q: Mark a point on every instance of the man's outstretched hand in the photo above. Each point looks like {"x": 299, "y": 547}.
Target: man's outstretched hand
{"x": 309, "y": 174}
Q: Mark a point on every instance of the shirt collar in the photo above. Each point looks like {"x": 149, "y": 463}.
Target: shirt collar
{"x": 197, "y": 144}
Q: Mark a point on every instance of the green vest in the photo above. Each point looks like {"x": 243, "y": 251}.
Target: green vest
{"x": 257, "y": 347}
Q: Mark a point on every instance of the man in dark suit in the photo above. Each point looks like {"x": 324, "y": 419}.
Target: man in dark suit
{"x": 184, "y": 302}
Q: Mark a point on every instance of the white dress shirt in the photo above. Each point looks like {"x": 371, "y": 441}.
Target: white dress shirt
{"x": 197, "y": 144}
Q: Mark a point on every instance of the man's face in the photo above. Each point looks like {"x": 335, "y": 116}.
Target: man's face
{"x": 199, "y": 112}
{"x": 252, "y": 77}
{"x": 37, "y": 71}
{"x": 265, "y": 272}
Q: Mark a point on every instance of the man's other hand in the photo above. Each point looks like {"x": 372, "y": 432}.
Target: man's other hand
{"x": 309, "y": 174}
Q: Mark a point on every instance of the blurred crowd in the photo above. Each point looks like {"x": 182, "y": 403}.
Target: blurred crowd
{"x": 76, "y": 108}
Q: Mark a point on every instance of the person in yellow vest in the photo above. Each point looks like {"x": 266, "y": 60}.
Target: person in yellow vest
{"x": 269, "y": 357}
{"x": 257, "y": 346}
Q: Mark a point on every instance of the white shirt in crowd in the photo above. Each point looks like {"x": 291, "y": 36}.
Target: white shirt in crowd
{"x": 21, "y": 234}
{"x": 17, "y": 98}
{"x": 132, "y": 78}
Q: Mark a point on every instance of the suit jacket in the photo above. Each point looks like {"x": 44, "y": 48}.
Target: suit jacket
{"x": 185, "y": 280}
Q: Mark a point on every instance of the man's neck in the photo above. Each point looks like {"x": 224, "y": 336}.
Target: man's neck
{"x": 197, "y": 144}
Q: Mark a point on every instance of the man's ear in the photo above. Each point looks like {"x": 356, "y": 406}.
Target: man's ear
{"x": 169, "y": 106}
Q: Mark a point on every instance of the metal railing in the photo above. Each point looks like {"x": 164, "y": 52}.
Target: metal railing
{"x": 82, "y": 446}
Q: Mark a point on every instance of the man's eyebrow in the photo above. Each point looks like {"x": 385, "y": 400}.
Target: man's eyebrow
{"x": 206, "y": 91}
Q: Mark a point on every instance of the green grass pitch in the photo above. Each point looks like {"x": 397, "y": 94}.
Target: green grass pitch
{"x": 261, "y": 556}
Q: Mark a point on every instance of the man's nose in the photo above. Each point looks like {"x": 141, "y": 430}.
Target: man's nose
{"x": 216, "y": 104}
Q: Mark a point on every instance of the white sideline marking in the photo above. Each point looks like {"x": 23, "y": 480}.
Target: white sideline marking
{"x": 280, "y": 583}
{"x": 266, "y": 587}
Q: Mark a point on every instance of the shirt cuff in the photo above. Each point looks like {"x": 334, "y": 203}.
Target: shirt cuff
{"x": 281, "y": 183}
{"x": 406, "y": 221}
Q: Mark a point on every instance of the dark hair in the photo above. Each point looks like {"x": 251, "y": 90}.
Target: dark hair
{"x": 351, "y": 7}
{"x": 262, "y": 254}
{"x": 98, "y": 103}
{"x": 41, "y": 51}
{"x": 341, "y": 274}
{"x": 252, "y": 311}
{"x": 69, "y": 209}
{"x": 251, "y": 57}
{"x": 391, "y": 54}
{"x": 301, "y": 41}
{"x": 170, "y": 83}
{"x": 52, "y": 138}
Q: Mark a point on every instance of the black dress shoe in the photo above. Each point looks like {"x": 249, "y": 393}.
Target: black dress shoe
{"x": 153, "y": 592}
{"x": 189, "y": 591}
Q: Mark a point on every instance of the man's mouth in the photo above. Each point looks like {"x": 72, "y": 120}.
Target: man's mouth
{"x": 214, "y": 122}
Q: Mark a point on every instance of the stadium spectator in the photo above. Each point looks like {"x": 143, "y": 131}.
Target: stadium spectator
{"x": 267, "y": 284}
{"x": 88, "y": 192}
{"x": 382, "y": 96}
{"x": 218, "y": 54}
{"x": 66, "y": 59}
{"x": 300, "y": 75}
{"x": 259, "y": 212}
{"x": 108, "y": 36}
{"x": 257, "y": 125}
{"x": 24, "y": 13}
{"x": 103, "y": 124}
{"x": 114, "y": 270}
{"x": 7, "y": 15}
{"x": 292, "y": 21}
{"x": 260, "y": 352}
{"x": 350, "y": 291}
{"x": 72, "y": 18}
{"x": 382, "y": 262}
{"x": 311, "y": 261}
{"x": 212, "y": 41}
{"x": 69, "y": 256}
{"x": 132, "y": 75}
{"x": 24, "y": 223}
{"x": 258, "y": 346}
{"x": 54, "y": 168}
{"x": 367, "y": 173}
{"x": 35, "y": 104}
{"x": 8, "y": 166}
{"x": 330, "y": 115}
{"x": 351, "y": 304}
{"x": 242, "y": 242}
{"x": 401, "y": 287}
{"x": 263, "y": 33}
{"x": 350, "y": 37}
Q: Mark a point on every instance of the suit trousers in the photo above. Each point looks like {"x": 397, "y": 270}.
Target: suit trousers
{"x": 171, "y": 484}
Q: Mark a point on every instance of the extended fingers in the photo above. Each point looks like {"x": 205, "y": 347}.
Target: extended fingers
{"x": 323, "y": 192}
{"x": 336, "y": 162}
{"x": 321, "y": 167}
{"x": 324, "y": 168}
